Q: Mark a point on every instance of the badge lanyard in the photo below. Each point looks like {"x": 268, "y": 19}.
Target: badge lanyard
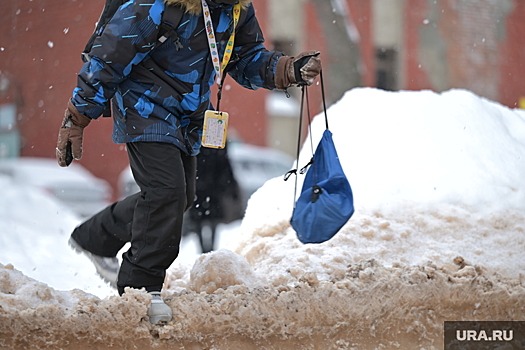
{"x": 215, "y": 123}
{"x": 208, "y": 24}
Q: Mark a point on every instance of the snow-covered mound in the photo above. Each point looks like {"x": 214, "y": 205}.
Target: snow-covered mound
{"x": 438, "y": 234}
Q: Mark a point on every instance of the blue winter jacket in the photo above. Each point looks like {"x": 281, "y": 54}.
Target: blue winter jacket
{"x": 159, "y": 92}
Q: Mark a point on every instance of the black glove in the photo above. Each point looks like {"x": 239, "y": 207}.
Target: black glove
{"x": 70, "y": 134}
{"x": 300, "y": 70}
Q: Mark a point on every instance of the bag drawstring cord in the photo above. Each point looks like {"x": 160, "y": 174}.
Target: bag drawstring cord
{"x": 304, "y": 96}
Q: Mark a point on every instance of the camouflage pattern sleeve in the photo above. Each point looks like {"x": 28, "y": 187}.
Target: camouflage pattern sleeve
{"x": 254, "y": 66}
{"x": 125, "y": 41}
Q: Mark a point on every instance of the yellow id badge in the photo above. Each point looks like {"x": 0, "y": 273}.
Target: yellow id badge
{"x": 215, "y": 129}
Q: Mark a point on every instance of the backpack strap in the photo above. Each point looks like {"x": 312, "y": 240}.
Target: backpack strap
{"x": 170, "y": 21}
{"x": 108, "y": 11}
{"x": 242, "y": 18}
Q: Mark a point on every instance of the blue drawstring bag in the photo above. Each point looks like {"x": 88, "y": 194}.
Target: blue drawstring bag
{"x": 326, "y": 202}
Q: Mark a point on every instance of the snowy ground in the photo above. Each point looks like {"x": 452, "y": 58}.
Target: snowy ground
{"x": 438, "y": 234}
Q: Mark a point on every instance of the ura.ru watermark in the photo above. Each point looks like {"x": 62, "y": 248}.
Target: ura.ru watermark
{"x": 483, "y": 335}
{"x": 488, "y": 335}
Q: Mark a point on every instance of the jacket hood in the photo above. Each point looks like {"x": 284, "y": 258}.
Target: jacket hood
{"x": 195, "y": 7}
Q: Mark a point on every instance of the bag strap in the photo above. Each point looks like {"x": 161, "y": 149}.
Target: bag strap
{"x": 324, "y": 99}
{"x": 168, "y": 27}
{"x": 170, "y": 21}
{"x": 110, "y": 7}
{"x": 304, "y": 97}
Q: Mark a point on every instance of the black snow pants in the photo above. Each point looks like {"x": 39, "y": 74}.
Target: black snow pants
{"x": 150, "y": 220}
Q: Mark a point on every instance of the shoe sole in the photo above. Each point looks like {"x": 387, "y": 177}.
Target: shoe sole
{"x": 78, "y": 249}
{"x": 160, "y": 320}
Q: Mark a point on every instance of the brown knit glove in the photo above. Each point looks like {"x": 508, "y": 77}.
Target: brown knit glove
{"x": 300, "y": 70}
{"x": 69, "y": 144}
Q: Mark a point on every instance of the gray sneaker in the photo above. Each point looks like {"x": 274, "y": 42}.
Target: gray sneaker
{"x": 159, "y": 312}
{"x": 107, "y": 267}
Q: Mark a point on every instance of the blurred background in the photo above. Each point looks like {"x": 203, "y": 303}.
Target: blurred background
{"x": 477, "y": 45}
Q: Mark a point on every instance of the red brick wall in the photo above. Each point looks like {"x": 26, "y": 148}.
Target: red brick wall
{"x": 42, "y": 41}
{"x": 472, "y": 35}
{"x": 361, "y": 13}
{"x": 512, "y": 57}
{"x": 415, "y": 77}
{"x": 480, "y": 46}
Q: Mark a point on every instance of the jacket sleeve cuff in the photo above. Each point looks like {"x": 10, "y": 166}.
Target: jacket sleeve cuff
{"x": 77, "y": 117}
{"x": 281, "y": 77}
{"x": 90, "y": 110}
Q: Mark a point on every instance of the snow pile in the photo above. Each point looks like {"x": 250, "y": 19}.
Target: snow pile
{"x": 438, "y": 234}
{"x": 419, "y": 149}
{"x": 34, "y": 230}
{"x": 221, "y": 270}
